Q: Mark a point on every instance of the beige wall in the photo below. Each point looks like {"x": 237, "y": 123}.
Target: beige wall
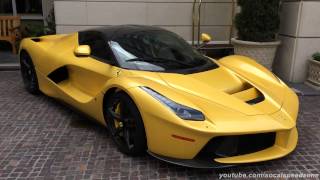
{"x": 300, "y": 36}
{"x": 174, "y": 15}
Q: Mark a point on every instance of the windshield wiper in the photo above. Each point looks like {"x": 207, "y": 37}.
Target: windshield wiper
{"x": 157, "y": 59}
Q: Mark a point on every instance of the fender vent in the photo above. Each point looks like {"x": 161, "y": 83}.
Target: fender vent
{"x": 59, "y": 74}
{"x": 36, "y": 39}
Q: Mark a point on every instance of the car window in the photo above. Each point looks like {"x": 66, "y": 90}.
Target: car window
{"x": 99, "y": 48}
{"x": 158, "y": 50}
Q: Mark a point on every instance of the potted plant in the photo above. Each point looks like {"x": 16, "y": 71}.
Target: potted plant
{"x": 258, "y": 26}
{"x": 314, "y": 71}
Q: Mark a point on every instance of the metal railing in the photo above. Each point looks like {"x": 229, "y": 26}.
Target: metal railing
{"x": 196, "y": 17}
{"x": 196, "y": 20}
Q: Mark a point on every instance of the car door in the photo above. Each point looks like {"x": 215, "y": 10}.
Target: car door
{"x": 86, "y": 76}
{"x": 91, "y": 73}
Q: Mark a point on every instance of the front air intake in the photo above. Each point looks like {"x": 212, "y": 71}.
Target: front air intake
{"x": 227, "y": 146}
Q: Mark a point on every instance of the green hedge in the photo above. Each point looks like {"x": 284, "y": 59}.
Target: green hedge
{"x": 316, "y": 56}
{"x": 258, "y": 20}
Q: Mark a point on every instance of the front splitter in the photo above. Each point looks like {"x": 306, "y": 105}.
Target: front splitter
{"x": 193, "y": 163}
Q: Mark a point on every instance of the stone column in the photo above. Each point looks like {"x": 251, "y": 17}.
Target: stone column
{"x": 300, "y": 36}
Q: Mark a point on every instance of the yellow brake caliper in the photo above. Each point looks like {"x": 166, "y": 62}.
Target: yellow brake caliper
{"x": 118, "y": 123}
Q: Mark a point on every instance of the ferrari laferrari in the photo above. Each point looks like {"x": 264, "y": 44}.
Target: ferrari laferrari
{"x": 156, "y": 93}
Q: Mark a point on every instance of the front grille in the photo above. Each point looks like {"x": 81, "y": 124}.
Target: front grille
{"x": 227, "y": 146}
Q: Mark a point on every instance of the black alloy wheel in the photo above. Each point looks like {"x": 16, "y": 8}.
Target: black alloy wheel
{"x": 28, "y": 74}
{"x": 125, "y": 124}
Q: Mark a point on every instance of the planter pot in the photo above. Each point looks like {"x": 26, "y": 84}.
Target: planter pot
{"x": 314, "y": 74}
{"x": 262, "y": 52}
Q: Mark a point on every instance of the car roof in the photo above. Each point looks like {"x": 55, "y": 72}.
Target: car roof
{"x": 112, "y": 32}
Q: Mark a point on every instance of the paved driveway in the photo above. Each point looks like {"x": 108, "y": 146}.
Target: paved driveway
{"x": 40, "y": 138}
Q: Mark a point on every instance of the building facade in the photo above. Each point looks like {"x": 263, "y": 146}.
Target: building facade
{"x": 299, "y": 31}
{"x": 174, "y": 15}
{"x": 300, "y": 38}
{"x": 28, "y": 10}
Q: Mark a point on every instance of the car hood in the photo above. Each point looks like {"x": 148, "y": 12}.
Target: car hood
{"x": 236, "y": 90}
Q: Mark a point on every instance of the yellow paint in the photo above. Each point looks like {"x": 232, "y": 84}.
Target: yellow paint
{"x": 205, "y": 37}
{"x": 82, "y": 50}
{"x": 219, "y": 93}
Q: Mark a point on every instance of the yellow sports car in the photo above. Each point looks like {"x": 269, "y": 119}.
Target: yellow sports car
{"x": 155, "y": 93}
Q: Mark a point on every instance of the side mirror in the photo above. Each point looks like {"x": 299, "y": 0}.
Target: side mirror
{"x": 82, "y": 50}
{"x": 205, "y": 38}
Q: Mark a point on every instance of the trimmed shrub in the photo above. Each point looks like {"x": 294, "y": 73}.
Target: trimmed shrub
{"x": 316, "y": 56}
{"x": 258, "y": 20}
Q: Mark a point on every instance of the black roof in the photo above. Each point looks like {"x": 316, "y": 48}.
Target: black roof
{"x": 111, "y": 32}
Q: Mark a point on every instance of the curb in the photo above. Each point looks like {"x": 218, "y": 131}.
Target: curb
{"x": 10, "y": 67}
{"x": 300, "y": 92}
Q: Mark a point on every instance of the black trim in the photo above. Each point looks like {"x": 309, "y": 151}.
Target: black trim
{"x": 193, "y": 163}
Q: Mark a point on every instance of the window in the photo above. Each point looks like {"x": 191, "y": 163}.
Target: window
{"x": 6, "y": 7}
{"x": 27, "y": 9}
{"x": 99, "y": 47}
{"x": 29, "y": 6}
{"x": 158, "y": 50}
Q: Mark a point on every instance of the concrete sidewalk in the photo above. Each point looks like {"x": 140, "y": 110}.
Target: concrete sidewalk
{"x": 9, "y": 61}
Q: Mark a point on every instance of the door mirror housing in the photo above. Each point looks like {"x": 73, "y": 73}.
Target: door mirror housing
{"x": 82, "y": 50}
{"x": 205, "y": 38}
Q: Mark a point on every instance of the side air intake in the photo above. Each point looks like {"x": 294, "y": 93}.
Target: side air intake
{"x": 59, "y": 74}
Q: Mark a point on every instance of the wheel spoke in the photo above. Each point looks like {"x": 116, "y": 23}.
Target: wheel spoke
{"x": 127, "y": 138}
{"x": 129, "y": 123}
{"x": 124, "y": 111}
{"x": 25, "y": 63}
{"x": 122, "y": 123}
{"x": 113, "y": 114}
{"x": 118, "y": 131}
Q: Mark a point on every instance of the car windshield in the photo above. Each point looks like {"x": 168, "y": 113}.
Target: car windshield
{"x": 158, "y": 50}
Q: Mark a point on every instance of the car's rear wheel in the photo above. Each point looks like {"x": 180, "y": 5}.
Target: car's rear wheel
{"x": 28, "y": 73}
{"x": 125, "y": 124}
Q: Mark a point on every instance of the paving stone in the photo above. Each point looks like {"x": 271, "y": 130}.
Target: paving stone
{"x": 43, "y": 139}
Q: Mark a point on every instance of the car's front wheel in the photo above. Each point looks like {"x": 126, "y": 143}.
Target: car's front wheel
{"x": 125, "y": 124}
{"x": 28, "y": 73}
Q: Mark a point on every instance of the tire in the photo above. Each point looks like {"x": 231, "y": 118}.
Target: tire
{"x": 28, "y": 74}
{"x": 125, "y": 124}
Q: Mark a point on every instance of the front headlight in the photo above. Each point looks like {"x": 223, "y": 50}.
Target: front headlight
{"x": 182, "y": 111}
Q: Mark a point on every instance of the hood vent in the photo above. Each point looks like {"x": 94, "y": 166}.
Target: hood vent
{"x": 256, "y": 100}
{"x": 249, "y": 94}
